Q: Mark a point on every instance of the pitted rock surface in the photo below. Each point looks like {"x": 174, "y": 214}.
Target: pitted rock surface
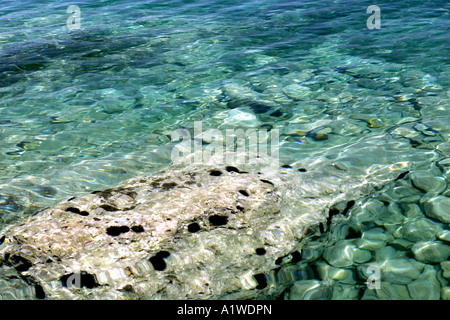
{"x": 202, "y": 233}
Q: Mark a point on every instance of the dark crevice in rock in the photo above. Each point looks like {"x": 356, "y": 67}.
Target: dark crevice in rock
{"x": 232, "y": 169}
{"x": 296, "y": 257}
{"x": 137, "y": 229}
{"x": 108, "y": 208}
{"x": 261, "y": 280}
{"x": 127, "y": 288}
{"x": 240, "y": 208}
{"x": 215, "y": 173}
{"x": 20, "y": 263}
{"x": 79, "y": 280}
{"x": 39, "y": 291}
{"x": 277, "y": 113}
{"x": 168, "y": 185}
{"x": 267, "y": 181}
{"x": 286, "y": 166}
{"x": 105, "y": 193}
{"x": 131, "y": 194}
{"x": 158, "y": 260}
{"x": 353, "y": 234}
{"x": 115, "y": 231}
{"x": 2, "y": 239}
{"x": 218, "y": 220}
{"x": 331, "y": 213}
{"x": 244, "y": 193}
{"x": 401, "y": 175}
{"x": 193, "y": 227}
{"x": 77, "y": 211}
{"x": 260, "y": 251}
{"x": 350, "y": 204}
{"x": 302, "y": 170}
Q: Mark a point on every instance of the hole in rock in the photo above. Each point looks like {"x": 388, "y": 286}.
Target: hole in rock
{"x": 2, "y": 239}
{"x": 39, "y": 291}
{"x": 127, "y": 288}
{"x": 279, "y": 260}
{"x": 353, "y": 234}
{"x": 260, "y": 251}
{"x": 331, "y": 213}
{"x": 131, "y": 194}
{"x": 77, "y": 211}
{"x": 158, "y": 260}
{"x": 105, "y": 193}
{"x": 244, "y": 193}
{"x": 168, "y": 185}
{"x": 286, "y": 166}
{"x": 401, "y": 175}
{"x": 20, "y": 263}
{"x": 115, "y": 231}
{"x": 137, "y": 229}
{"x": 79, "y": 280}
{"x": 232, "y": 169}
{"x": 240, "y": 208}
{"x": 350, "y": 204}
{"x": 261, "y": 279}
{"x": 302, "y": 170}
{"x": 215, "y": 173}
{"x": 193, "y": 227}
{"x": 217, "y": 220}
{"x": 277, "y": 113}
{"x": 108, "y": 208}
{"x": 296, "y": 257}
{"x": 267, "y": 181}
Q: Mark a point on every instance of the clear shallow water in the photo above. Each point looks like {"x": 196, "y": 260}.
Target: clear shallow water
{"x": 85, "y": 109}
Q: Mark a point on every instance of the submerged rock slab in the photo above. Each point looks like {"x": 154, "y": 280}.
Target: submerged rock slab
{"x": 203, "y": 232}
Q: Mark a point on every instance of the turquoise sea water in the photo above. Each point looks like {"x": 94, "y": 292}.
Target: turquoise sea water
{"x": 81, "y": 110}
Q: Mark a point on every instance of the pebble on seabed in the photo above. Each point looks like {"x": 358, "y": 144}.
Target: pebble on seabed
{"x": 390, "y": 235}
{"x": 438, "y": 208}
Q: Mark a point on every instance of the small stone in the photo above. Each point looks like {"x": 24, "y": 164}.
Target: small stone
{"x": 340, "y": 255}
{"x": 430, "y": 252}
{"x": 326, "y": 271}
{"x": 401, "y": 244}
{"x": 368, "y": 211}
{"x": 369, "y": 244}
{"x": 297, "y": 92}
{"x": 309, "y": 290}
{"x": 412, "y": 210}
{"x": 427, "y": 287}
{"x": 237, "y": 117}
{"x": 445, "y": 266}
{"x": 420, "y": 229}
{"x": 385, "y": 253}
{"x": 445, "y": 293}
{"x": 444, "y": 235}
{"x": 425, "y": 181}
{"x": 377, "y": 234}
{"x": 393, "y": 291}
{"x": 361, "y": 256}
{"x": 312, "y": 251}
{"x": 438, "y": 208}
{"x": 400, "y": 271}
{"x": 345, "y": 292}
